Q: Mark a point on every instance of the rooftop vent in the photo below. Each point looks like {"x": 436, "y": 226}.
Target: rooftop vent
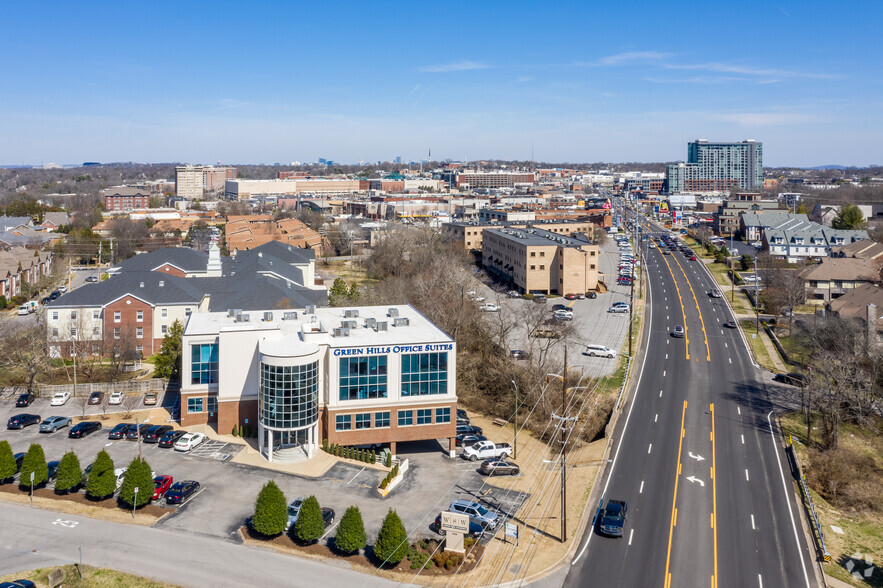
{"x": 242, "y": 318}
{"x": 382, "y": 326}
{"x": 393, "y": 312}
{"x": 400, "y": 322}
{"x": 234, "y": 311}
{"x": 311, "y": 309}
{"x": 351, "y": 313}
{"x": 371, "y": 323}
{"x": 341, "y": 332}
{"x": 289, "y": 316}
{"x": 162, "y": 283}
{"x": 141, "y": 284}
{"x": 349, "y": 324}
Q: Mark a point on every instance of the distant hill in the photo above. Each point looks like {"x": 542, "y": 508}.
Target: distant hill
{"x": 824, "y": 167}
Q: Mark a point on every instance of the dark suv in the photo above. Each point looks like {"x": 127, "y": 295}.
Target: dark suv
{"x": 155, "y": 433}
{"x": 119, "y": 431}
{"x": 20, "y": 421}
{"x": 25, "y": 400}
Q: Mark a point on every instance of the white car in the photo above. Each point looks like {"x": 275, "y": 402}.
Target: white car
{"x": 619, "y": 307}
{"x": 115, "y": 398}
{"x": 120, "y": 474}
{"x": 60, "y": 398}
{"x": 489, "y": 307}
{"x": 563, "y": 315}
{"x": 599, "y": 351}
{"x": 189, "y": 441}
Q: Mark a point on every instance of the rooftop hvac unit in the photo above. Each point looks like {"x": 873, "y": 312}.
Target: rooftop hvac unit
{"x": 393, "y": 312}
{"x": 381, "y": 326}
{"x": 353, "y": 313}
{"x": 341, "y": 332}
{"x": 400, "y": 322}
{"x": 349, "y": 324}
{"x": 289, "y": 316}
{"x": 268, "y": 316}
{"x": 311, "y": 309}
{"x": 371, "y": 322}
{"x": 234, "y": 311}
{"x": 242, "y": 318}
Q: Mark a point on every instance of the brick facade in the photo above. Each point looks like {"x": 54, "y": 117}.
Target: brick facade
{"x": 128, "y": 307}
{"x": 171, "y": 270}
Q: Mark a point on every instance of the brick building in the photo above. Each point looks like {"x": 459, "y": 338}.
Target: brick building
{"x": 122, "y": 199}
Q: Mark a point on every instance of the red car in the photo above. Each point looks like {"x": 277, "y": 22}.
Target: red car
{"x": 570, "y": 296}
{"x": 692, "y": 258}
{"x": 162, "y": 483}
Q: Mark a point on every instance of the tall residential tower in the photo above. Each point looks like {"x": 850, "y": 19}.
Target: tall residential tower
{"x": 717, "y": 167}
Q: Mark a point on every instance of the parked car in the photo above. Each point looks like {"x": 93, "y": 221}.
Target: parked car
{"x": 170, "y": 438}
{"x": 591, "y": 295}
{"x": 54, "y": 295}
{"x": 475, "y": 528}
{"x": 487, "y": 450}
{"x": 570, "y": 296}
{"x": 489, "y": 307}
{"x": 327, "y": 516}
{"x": 467, "y": 439}
{"x": 792, "y": 378}
{"x": 83, "y": 429}
{"x": 20, "y": 583}
{"x": 499, "y": 467}
{"x": 149, "y": 398}
{"x": 62, "y": 289}
{"x": 96, "y": 398}
{"x": 599, "y": 351}
{"x": 25, "y": 400}
{"x": 730, "y": 324}
{"x": 475, "y": 430}
{"x": 294, "y": 511}
{"x": 44, "y": 301}
{"x": 137, "y": 431}
{"x": 556, "y": 307}
{"x": 60, "y": 399}
{"x": 476, "y": 512}
{"x": 20, "y": 421}
{"x": 161, "y": 484}
{"x": 518, "y": 353}
{"x": 119, "y": 431}
{"x": 678, "y": 331}
{"x": 616, "y": 308}
{"x": 513, "y": 294}
{"x": 563, "y": 315}
{"x": 189, "y": 441}
{"x": 52, "y": 470}
{"x": 53, "y": 423}
{"x": 115, "y": 398}
{"x": 92, "y": 279}
{"x": 461, "y": 414}
{"x": 156, "y": 432}
{"x": 612, "y": 519}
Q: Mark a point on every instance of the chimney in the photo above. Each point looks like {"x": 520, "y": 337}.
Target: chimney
{"x": 871, "y": 321}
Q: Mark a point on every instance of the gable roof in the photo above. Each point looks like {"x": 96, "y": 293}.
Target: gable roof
{"x": 151, "y": 287}
{"x": 184, "y": 258}
{"x": 7, "y": 223}
{"x": 854, "y": 304}
{"x": 863, "y": 248}
{"x": 57, "y": 218}
{"x": 845, "y": 268}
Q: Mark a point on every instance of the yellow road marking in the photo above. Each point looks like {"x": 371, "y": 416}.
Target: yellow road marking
{"x": 674, "y": 510}
{"x": 681, "y": 302}
{"x": 714, "y": 496}
{"x": 704, "y": 333}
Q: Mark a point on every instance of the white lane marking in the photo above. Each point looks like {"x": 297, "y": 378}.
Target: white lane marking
{"x": 694, "y": 479}
{"x": 697, "y": 457}
{"x": 64, "y": 523}
{"x": 666, "y": 356}
{"x": 641, "y": 491}
{"x": 656, "y": 418}
{"x": 356, "y": 476}
{"x": 660, "y": 393}
{"x": 631, "y": 534}
{"x": 739, "y": 410}
{"x": 725, "y": 345}
{"x": 746, "y": 475}
{"x": 743, "y": 439}
{"x": 753, "y": 528}
{"x": 663, "y": 373}
{"x": 731, "y": 360}
{"x": 650, "y": 448}
{"x": 667, "y": 341}
{"x": 760, "y": 581}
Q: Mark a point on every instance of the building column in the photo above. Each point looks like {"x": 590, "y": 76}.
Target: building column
{"x": 270, "y": 446}
{"x": 452, "y": 447}
{"x": 392, "y": 448}
{"x": 260, "y": 438}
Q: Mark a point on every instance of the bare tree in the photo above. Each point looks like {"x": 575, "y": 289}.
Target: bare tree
{"x": 82, "y": 402}
{"x": 130, "y": 403}
{"x": 26, "y": 354}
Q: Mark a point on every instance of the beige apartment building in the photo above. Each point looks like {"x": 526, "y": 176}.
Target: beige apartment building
{"x": 469, "y": 234}
{"x": 539, "y": 261}
{"x": 193, "y": 181}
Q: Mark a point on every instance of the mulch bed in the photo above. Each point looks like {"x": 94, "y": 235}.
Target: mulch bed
{"x": 286, "y": 543}
{"x": 81, "y": 498}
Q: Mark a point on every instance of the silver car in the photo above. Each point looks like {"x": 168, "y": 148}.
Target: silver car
{"x": 53, "y": 423}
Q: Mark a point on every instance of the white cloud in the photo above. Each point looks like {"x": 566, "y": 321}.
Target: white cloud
{"x": 456, "y": 66}
{"x": 719, "y": 67}
{"x": 764, "y": 119}
{"x": 631, "y": 56}
{"x": 523, "y": 79}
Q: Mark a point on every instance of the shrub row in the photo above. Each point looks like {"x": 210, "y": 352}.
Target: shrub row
{"x": 245, "y": 431}
{"x": 348, "y": 452}
{"x": 390, "y": 476}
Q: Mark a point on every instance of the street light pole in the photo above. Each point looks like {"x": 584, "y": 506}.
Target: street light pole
{"x": 515, "y": 442}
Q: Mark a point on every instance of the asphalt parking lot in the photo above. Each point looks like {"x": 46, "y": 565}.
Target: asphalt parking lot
{"x": 229, "y": 489}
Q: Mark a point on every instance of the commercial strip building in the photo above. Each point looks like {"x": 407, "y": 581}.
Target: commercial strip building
{"x": 469, "y": 234}
{"x": 495, "y": 179}
{"x": 351, "y": 376}
{"x": 717, "y": 167}
{"x": 247, "y": 189}
{"x": 538, "y": 261}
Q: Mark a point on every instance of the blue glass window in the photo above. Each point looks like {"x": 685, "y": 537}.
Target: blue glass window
{"x": 194, "y": 405}
{"x": 381, "y": 420}
{"x": 424, "y": 416}
{"x": 442, "y": 415}
{"x": 363, "y": 421}
{"x": 406, "y": 418}
{"x": 204, "y": 363}
{"x": 424, "y": 373}
{"x": 362, "y": 377}
{"x": 343, "y": 422}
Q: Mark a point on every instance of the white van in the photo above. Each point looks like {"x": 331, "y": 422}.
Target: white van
{"x": 599, "y": 351}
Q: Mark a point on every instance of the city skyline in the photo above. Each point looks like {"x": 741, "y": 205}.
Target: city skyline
{"x": 572, "y": 83}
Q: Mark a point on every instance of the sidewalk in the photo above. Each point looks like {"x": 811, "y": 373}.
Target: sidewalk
{"x": 767, "y": 343}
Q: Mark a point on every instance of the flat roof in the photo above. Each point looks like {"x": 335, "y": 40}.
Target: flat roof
{"x": 532, "y": 236}
{"x": 318, "y": 328}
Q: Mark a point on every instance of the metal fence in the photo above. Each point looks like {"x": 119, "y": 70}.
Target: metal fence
{"x": 152, "y": 385}
{"x": 818, "y": 534}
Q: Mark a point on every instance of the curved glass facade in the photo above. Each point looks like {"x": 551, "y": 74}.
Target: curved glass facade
{"x": 289, "y": 396}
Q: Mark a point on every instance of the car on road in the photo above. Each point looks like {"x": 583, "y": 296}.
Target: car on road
{"x": 615, "y": 308}
{"x": 678, "y": 331}
{"x": 513, "y": 294}
{"x": 475, "y": 528}
{"x": 599, "y": 351}
{"x": 137, "y": 431}
{"x": 25, "y": 400}
{"x": 792, "y": 379}
{"x": 161, "y": 484}
{"x": 489, "y": 307}
{"x": 60, "y": 399}
{"x": 730, "y": 324}
{"x": 53, "y": 423}
{"x": 83, "y": 429}
{"x": 150, "y": 398}
{"x": 540, "y": 298}
{"x": 476, "y": 512}
{"x": 96, "y": 398}
{"x": 119, "y": 431}
{"x": 115, "y": 398}
{"x": 692, "y": 258}
{"x": 189, "y": 441}
{"x": 612, "y": 519}
{"x": 62, "y": 289}
{"x": 54, "y": 295}
{"x": 499, "y": 467}
{"x": 20, "y": 421}
{"x": 170, "y": 438}
{"x": 156, "y": 432}
{"x": 715, "y": 293}
{"x": 518, "y": 353}
{"x": 45, "y": 300}
{"x": 92, "y": 279}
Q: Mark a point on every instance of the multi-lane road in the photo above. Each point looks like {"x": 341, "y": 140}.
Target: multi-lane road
{"x": 696, "y": 456}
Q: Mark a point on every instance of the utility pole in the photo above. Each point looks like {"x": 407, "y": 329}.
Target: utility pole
{"x": 756, "y": 300}
{"x": 515, "y": 442}
{"x": 564, "y": 452}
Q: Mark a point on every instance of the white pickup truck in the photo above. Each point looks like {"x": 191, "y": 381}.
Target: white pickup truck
{"x": 486, "y": 450}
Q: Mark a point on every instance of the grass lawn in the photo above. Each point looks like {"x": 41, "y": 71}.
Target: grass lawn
{"x": 760, "y": 352}
{"x": 796, "y": 351}
{"x": 92, "y": 578}
{"x": 862, "y": 536}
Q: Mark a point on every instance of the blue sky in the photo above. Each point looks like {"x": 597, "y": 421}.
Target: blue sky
{"x": 264, "y": 82}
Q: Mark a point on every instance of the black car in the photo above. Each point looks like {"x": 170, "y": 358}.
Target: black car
{"x": 54, "y": 295}
{"x": 81, "y": 430}
{"x": 25, "y": 400}
{"x": 467, "y": 439}
{"x": 18, "y": 584}
{"x": 327, "y": 516}
{"x": 137, "y": 431}
{"x": 475, "y": 529}
{"x": 792, "y": 379}
{"x": 96, "y": 398}
{"x": 170, "y": 438}
{"x": 19, "y": 457}
{"x": 181, "y": 491}
{"x": 469, "y": 429}
{"x": 120, "y": 431}
{"x": 156, "y": 432}
{"x": 52, "y": 468}
{"x": 461, "y": 414}
{"x": 591, "y": 295}
{"x": 20, "y": 421}
{"x": 45, "y": 301}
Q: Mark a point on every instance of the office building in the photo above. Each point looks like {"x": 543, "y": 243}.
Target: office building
{"x": 717, "y": 167}
{"x": 123, "y": 198}
{"x": 351, "y": 376}
{"x": 194, "y": 181}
